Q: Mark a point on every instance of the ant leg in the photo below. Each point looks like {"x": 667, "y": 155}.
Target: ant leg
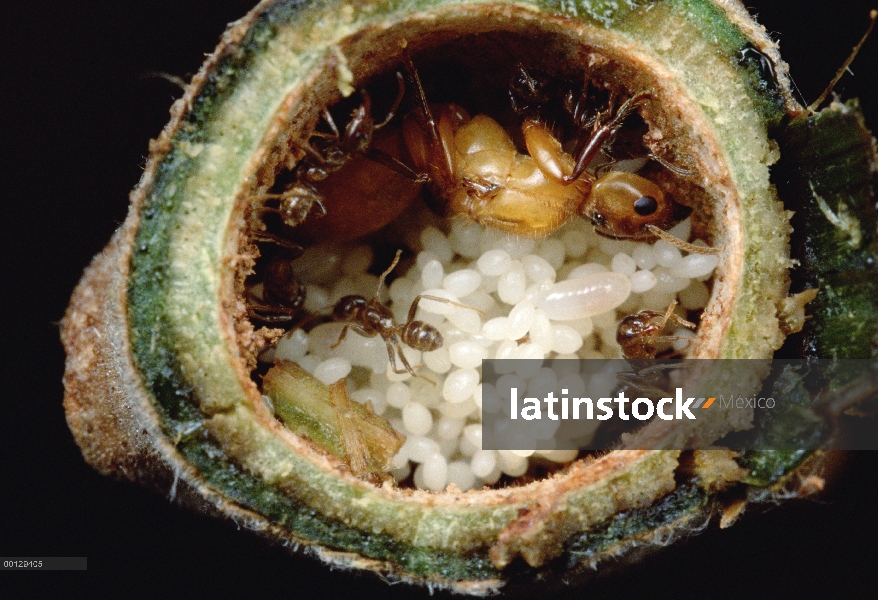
{"x": 344, "y": 333}
{"x": 577, "y": 106}
{"x": 588, "y": 149}
{"x": 408, "y": 368}
{"x": 683, "y": 322}
{"x": 666, "y": 317}
{"x": 311, "y": 153}
{"x": 321, "y": 208}
{"x": 527, "y": 91}
{"x": 280, "y": 313}
{"x": 394, "y": 164}
{"x": 331, "y": 122}
{"x": 341, "y": 336}
{"x": 440, "y": 145}
{"x": 812, "y": 108}
{"x": 279, "y": 318}
{"x": 414, "y": 308}
{"x": 645, "y": 382}
{"x": 271, "y": 238}
{"x": 670, "y": 316}
{"x": 392, "y": 112}
{"x": 392, "y": 350}
{"x": 423, "y": 106}
{"x": 685, "y": 246}
{"x": 480, "y": 188}
{"x": 670, "y": 338}
{"x": 626, "y": 109}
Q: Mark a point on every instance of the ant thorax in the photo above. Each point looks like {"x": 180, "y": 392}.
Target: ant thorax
{"x": 522, "y": 228}
{"x": 488, "y": 180}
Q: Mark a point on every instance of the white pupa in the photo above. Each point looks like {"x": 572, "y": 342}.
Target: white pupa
{"x": 582, "y": 297}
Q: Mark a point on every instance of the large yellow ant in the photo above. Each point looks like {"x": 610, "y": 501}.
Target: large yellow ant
{"x": 475, "y": 169}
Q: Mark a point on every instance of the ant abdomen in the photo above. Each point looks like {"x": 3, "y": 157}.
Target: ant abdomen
{"x": 421, "y": 336}
{"x": 282, "y": 296}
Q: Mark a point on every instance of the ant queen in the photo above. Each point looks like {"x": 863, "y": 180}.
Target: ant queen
{"x": 476, "y": 170}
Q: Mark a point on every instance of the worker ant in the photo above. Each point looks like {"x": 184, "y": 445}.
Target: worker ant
{"x": 283, "y": 295}
{"x": 638, "y": 334}
{"x": 326, "y": 153}
{"x": 475, "y": 169}
{"x": 372, "y": 317}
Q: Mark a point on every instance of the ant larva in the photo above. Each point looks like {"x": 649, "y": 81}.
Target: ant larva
{"x": 638, "y": 334}
{"x": 475, "y": 169}
{"x": 327, "y": 153}
{"x": 283, "y": 295}
{"x": 372, "y": 317}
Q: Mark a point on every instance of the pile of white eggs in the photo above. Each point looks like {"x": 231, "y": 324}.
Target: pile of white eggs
{"x": 561, "y": 296}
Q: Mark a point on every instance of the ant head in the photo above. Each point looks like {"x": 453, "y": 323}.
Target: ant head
{"x": 636, "y": 332}
{"x": 282, "y": 285}
{"x": 279, "y": 271}
{"x": 528, "y": 90}
{"x": 624, "y": 205}
{"x": 631, "y": 329}
{"x": 346, "y": 307}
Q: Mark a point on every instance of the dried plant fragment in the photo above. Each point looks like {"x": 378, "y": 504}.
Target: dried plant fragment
{"x": 350, "y": 431}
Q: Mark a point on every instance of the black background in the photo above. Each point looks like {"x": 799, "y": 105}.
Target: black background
{"x": 77, "y": 111}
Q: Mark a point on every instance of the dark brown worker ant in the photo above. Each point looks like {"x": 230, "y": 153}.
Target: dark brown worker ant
{"x": 327, "y": 153}
{"x": 530, "y": 91}
{"x": 476, "y": 170}
{"x": 372, "y": 317}
{"x": 283, "y": 295}
{"x": 638, "y": 334}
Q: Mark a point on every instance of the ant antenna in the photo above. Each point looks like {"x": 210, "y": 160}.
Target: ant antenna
{"x": 812, "y": 108}
{"x": 685, "y": 246}
{"x": 675, "y": 169}
{"x": 665, "y": 318}
{"x": 669, "y": 314}
{"x": 392, "y": 112}
{"x": 387, "y": 272}
{"x": 178, "y": 81}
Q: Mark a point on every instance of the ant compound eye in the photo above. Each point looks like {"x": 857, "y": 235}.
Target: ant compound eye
{"x": 645, "y": 206}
